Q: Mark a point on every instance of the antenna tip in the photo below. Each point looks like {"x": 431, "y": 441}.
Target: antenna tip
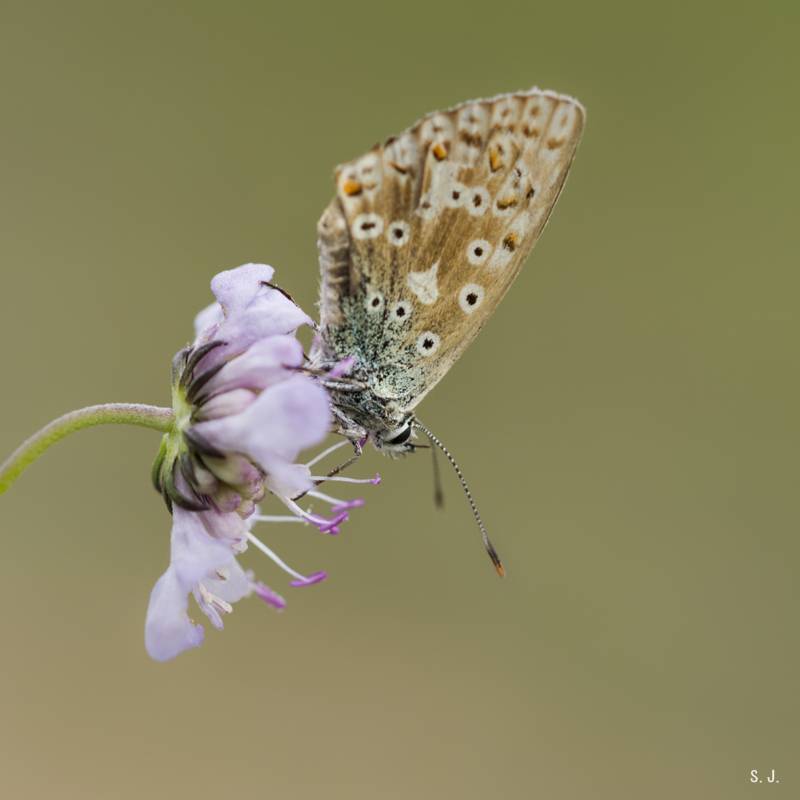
{"x": 498, "y": 564}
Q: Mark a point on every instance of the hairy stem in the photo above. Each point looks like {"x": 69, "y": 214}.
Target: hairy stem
{"x": 159, "y": 419}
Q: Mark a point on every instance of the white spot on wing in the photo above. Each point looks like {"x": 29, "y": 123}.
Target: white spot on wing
{"x": 501, "y": 256}
{"x": 470, "y": 297}
{"x": 427, "y": 206}
{"x": 428, "y": 343}
{"x": 478, "y": 201}
{"x": 455, "y": 195}
{"x": 400, "y": 312}
{"x": 400, "y": 157}
{"x": 374, "y": 302}
{"x": 438, "y": 127}
{"x": 367, "y": 226}
{"x": 501, "y": 113}
{"x": 398, "y": 232}
{"x": 369, "y": 171}
{"x": 478, "y": 251}
{"x": 424, "y": 284}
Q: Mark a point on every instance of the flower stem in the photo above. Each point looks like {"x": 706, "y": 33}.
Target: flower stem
{"x": 159, "y": 419}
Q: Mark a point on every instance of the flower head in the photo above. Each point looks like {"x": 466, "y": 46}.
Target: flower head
{"x": 244, "y": 409}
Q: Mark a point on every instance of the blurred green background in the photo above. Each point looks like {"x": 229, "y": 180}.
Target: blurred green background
{"x": 629, "y": 419}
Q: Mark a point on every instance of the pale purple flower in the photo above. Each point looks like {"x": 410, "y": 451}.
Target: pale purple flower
{"x": 245, "y": 408}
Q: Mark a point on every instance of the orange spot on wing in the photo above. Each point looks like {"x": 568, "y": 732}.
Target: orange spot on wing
{"x": 506, "y": 202}
{"x": 439, "y": 151}
{"x": 351, "y": 187}
{"x": 495, "y": 159}
{"x": 510, "y": 242}
{"x": 553, "y": 144}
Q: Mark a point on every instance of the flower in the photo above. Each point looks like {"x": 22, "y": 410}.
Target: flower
{"x": 244, "y": 408}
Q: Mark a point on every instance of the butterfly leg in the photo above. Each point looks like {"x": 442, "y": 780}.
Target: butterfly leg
{"x": 349, "y": 427}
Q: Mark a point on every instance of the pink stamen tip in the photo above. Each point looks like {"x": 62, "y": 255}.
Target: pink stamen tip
{"x": 270, "y": 597}
{"x": 329, "y": 525}
{"x": 356, "y": 502}
{"x": 376, "y": 480}
{"x": 316, "y": 577}
{"x": 342, "y": 368}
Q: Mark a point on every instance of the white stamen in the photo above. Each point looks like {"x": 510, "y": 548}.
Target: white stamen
{"x": 270, "y": 518}
{"x": 341, "y": 479}
{"x": 213, "y": 601}
{"x": 327, "y": 452}
{"x": 270, "y": 554}
{"x": 326, "y": 498}
{"x": 306, "y": 515}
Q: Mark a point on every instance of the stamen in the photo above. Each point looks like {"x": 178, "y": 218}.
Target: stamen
{"x": 327, "y": 452}
{"x": 374, "y": 481}
{"x": 300, "y": 580}
{"x": 316, "y": 577}
{"x": 270, "y": 597}
{"x": 338, "y": 505}
{"x": 270, "y": 518}
{"x": 213, "y": 601}
{"x": 325, "y": 525}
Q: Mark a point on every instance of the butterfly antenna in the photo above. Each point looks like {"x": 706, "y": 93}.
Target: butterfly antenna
{"x": 438, "y": 491}
{"x": 487, "y": 543}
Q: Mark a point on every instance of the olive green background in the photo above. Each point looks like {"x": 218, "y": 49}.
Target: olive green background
{"x": 629, "y": 419}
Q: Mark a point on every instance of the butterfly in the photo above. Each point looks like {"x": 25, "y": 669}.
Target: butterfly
{"x": 423, "y": 239}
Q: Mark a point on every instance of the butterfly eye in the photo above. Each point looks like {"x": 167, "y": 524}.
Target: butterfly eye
{"x": 401, "y": 437}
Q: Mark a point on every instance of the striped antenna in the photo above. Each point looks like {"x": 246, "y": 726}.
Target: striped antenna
{"x": 498, "y": 565}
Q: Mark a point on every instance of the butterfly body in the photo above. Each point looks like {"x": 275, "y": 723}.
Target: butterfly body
{"x": 423, "y": 239}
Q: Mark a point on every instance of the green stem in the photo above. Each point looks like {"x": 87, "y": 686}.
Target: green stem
{"x": 159, "y": 419}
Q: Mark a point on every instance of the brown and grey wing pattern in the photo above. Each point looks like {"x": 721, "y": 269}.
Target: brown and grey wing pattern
{"x": 427, "y": 232}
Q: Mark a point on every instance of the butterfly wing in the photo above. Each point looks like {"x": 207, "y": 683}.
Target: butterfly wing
{"x": 428, "y": 230}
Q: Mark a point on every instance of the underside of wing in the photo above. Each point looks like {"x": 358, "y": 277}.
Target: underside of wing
{"x": 428, "y": 230}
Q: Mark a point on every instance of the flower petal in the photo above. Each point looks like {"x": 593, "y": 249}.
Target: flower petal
{"x": 285, "y": 419}
{"x": 225, "y": 403}
{"x": 195, "y": 554}
{"x": 168, "y": 631}
{"x": 207, "y": 321}
{"x": 264, "y": 363}
{"x": 231, "y": 584}
{"x": 286, "y": 479}
{"x": 251, "y": 310}
{"x": 236, "y": 288}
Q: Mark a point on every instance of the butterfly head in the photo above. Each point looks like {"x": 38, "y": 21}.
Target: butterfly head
{"x": 396, "y": 441}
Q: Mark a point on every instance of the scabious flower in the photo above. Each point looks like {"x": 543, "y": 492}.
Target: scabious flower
{"x": 244, "y": 409}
